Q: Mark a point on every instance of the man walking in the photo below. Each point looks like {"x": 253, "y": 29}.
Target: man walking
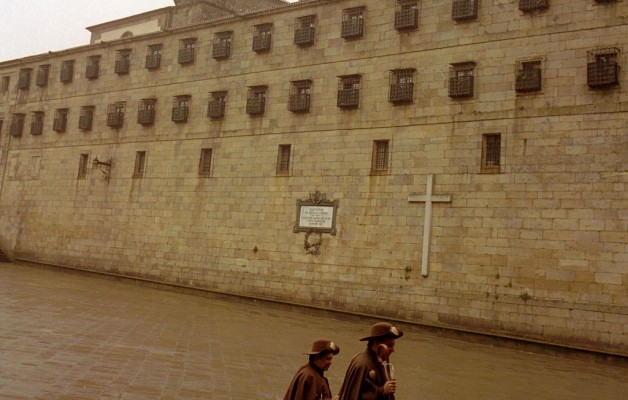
{"x": 309, "y": 382}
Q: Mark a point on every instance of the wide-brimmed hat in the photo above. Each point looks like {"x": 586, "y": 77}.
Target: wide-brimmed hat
{"x": 384, "y": 329}
{"x": 321, "y": 345}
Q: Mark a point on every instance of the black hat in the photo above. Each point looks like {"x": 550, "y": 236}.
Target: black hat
{"x": 384, "y": 329}
{"x": 322, "y": 345}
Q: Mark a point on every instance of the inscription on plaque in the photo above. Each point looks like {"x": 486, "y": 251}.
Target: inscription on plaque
{"x": 316, "y": 214}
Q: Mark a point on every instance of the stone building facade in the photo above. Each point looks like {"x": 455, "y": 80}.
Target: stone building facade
{"x": 181, "y": 156}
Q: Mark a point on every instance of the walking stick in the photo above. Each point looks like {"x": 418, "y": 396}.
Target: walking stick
{"x": 383, "y": 356}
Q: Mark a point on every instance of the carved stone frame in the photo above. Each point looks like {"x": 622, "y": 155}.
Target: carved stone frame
{"x": 316, "y": 199}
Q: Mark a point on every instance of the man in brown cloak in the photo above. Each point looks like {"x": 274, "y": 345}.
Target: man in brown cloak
{"x": 309, "y": 382}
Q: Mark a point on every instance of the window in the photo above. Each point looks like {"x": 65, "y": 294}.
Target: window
{"x": 262, "y": 38}
{"x": 401, "y": 86}
{"x": 352, "y": 23}
{"x": 5, "y": 84}
{"x": 461, "y": 80}
{"x": 86, "y": 117}
{"x": 92, "y": 69}
{"x": 61, "y": 120}
{"x": 602, "y": 68}
{"x": 300, "y": 96}
{"x": 463, "y": 10}
{"x": 82, "y": 170}
{"x": 491, "y": 152}
{"x": 528, "y": 76}
{"x": 115, "y": 114}
{"x": 379, "y": 163}
{"x": 349, "y": 91}
{"x": 217, "y": 104}
{"x": 24, "y": 81}
{"x": 140, "y": 162}
{"x": 153, "y": 56}
{"x": 1, "y": 123}
{"x": 181, "y": 108}
{"x": 305, "y": 31}
{"x": 222, "y": 45}
{"x": 283, "y": 160}
{"x": 256, "y": 100}
{"x": 43, "y": 71}
{"x": 204, "y": 165}
{"x": 37, "y": 124}
{"x": 146, "y": 111}
{"x": 406, "y": 15}
{"x": 186, "y": 51}
{"x": 17, "y": 125}
{"x": 123, "y": 62}
{"x": 533, "y": 5}
{"x": 67, "y": 71}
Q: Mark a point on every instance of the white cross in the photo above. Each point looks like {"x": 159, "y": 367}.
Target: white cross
{"x": 428, "y": 198}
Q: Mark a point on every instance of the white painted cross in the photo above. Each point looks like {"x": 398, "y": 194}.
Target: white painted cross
{"x": 428, "y": 198}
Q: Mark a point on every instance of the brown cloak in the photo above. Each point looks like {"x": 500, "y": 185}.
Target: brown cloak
{"x": 365, "y": 378}
{"x": 308, "y": 383}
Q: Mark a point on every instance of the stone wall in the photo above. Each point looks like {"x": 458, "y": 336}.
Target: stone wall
{"x": 536, "y": 250}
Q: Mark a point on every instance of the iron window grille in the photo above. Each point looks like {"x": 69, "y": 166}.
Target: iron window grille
{"x": 123, "y": 62}
{"x": 37, "y": 124}
{"x": 186, "y": 51}
{"x": 283, "y": 160}
{"x": 300, "y": 93}
{"x": 262, "y": 38}
{"x": 86, "y": 117}
{"x": 528, "y": 76}
{"x": 146, "y": 111}
{"x": 380, "y": 156}
{"x": 60, "y": 120}
{"x": 43, "y": 72}
{"x": 205, "y": 163}
{"x": 115, "y": 114}
{"x": 180, "y": 108}
{"x": 352, "y": 23}
{"x": 6, "y": 80}
{"x": 222, "y": 45}
{"x": 461, "y": 80}
{"x": 153, "y": 56}
{"x": 92, "y": 70}
{"x": 217, "y": 105}
{"x": 463, "y": 10}
{"x": 533, "y": 5}
{"x": 491, "y": 152}
{"x": 256, "y": 100}
{"x": 82, "y": 170}
{"x": 17, "y": 125}
{"x": 349, "y": 91}
{"x": 401, "y": 86}
{"x": 140, "y": 164}
{"x": 605, "y": 1}
{"x": 24, "y": 81}
{"x": 406, "y": 15}
{"x": 305, "y": 31}
{"x": 602, "y": 68}
{"x": 67, "y": 71}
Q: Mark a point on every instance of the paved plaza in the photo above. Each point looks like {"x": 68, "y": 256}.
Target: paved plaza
{"x": 78, "y": 336}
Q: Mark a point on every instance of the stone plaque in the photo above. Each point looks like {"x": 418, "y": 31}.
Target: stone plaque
{"x": 316, "y": 214}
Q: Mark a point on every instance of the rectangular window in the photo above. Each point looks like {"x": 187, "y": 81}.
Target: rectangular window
{"x": 401, "y": 86}
{"x": 82, "y": 170}
{"x": 380, "y": 157}
{"x": 283, "y": 160}
{"x": 67, "y": 71}
{"x": 140, "y": 161}
{"x": 300, "y": 92}
{"x": 86, "y": 117}
{"x": 352, "y": 23}
{"x": 153, "y": 56}
{"x": 406, "y": 15}
{"x": 217, "y": 105}
{"x": 262, "y": 37}
{"x": 17, "y": 125}
{"x": 115, "y": 114}
{"x": 5, "y": 84}
{"x": 146, "y": 111}
{"x": 256, "y": 100}
{"x": 35, "y": 167}
{"x": 305, "y": 31}
{"x": 533, "y": 5}
{"x": 461, "y": 80}
{"x": 491, "y": 152}
{"x": 528, "y": 76}
{"x": 61, "y": 119}
{"x": 464, "y": 10}
{"x": 1, "y": 123}
{"x": 92, "y": 70}
{"x": 181, "y": 108}
{"x": 222, "y": 45}
{"x": 24, "y": 81}
{"x": 204, "y": 165}
{"x": 186, "y": 51}
{"x": 349, "y": 91}
{"x": 602, "y": 68}
{"x": 43, "y": 71}
{"x": 37, "y": 124}
{"x": 123, "y": 62}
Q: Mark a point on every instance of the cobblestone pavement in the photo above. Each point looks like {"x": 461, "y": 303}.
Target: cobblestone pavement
{"x": 77, "y": 336}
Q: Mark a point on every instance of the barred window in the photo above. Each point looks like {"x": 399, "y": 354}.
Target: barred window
{"x": 352, "y": 23}
{"x": 205, "y": 162}
{"x": 86, "y": 117}
{"x": 464, "y": 10}
{"x": 380, "y": 157}
{"x": 305, "y": 30}
{"x": 43, "y": 71}
{"x": 217, "y": 104}
{"x": 349, "y": 91}
{"x": 256, "y": 100}
{"x": 67, "y": 71}
{"x": 222, "y": 45}
{"x": 5, "y": 84}
{"x": 283, "y": 159}
{"x": 24, "y": 80}
{"x": 17, "y": 124}
{"x": 461, "y": 79}
{"x": 300, "y": 96}
{"x": 262, "y": 38}
{"x": 92, "y": 70}
{"x": 140, "y": 162}
{"x": 61, "y": 120}
{"x": 401, "y": 86}
{"x": 406, "y": 15}
{"x": 186, "y": 51}
{"x": 603, "y": 68}
{"x": 146, "y": 111}
{"x": 37, "y": 124}
{"x": 491, "y": 152}
{"x": 528, "y": 76}
{"x": 82, "y": 170}
{"x": 123, "y": 62}
{"x": 181, "y": 108}
{"x": 153, "y": 56}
